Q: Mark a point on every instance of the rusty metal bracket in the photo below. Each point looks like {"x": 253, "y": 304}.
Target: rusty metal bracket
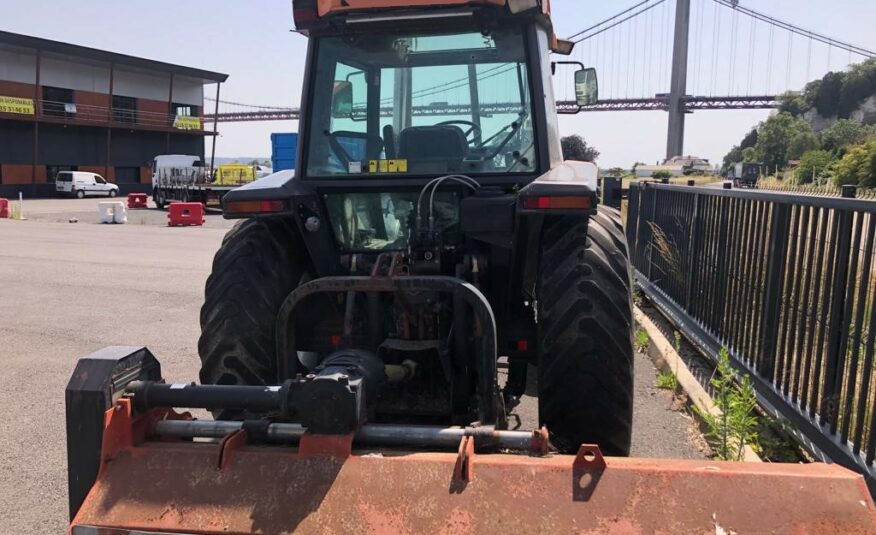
{"x": 229, "y": 445}
{"x": 587, "y": 469}
{"x": 340, "y": 446}
{"x": 463, "y": 470}
{"x": 540, "y": 442}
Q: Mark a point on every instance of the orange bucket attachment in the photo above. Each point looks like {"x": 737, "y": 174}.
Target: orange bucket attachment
{"x": 323, "y": 486}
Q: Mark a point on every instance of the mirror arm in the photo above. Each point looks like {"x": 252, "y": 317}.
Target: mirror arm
{"x": 555, "y": 63}
{"x": 570, "y": 112}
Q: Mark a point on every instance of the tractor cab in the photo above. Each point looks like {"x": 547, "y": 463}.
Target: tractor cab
{"x": 396, "y": 97}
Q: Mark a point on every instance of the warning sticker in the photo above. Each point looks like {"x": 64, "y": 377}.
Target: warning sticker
{"x": 387, "y": 166}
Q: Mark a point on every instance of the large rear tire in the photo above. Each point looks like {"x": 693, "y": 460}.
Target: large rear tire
{"x": 585, "y": 323}
{"x": 258, "y": 264}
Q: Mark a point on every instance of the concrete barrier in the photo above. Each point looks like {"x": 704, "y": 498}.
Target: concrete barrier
{"x": 184, "y": 214}
{"x": 112, "y": 212}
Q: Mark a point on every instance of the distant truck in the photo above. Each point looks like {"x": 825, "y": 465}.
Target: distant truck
{"x": 185, "y": 178}
{"x": 744, "y": 175}
{"x": 239, "y": 173}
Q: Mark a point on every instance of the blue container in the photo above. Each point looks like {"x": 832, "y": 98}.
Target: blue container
{"x": 284, "y": 147}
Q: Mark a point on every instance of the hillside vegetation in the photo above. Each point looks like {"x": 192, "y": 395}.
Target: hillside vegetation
{"x": 842, "y": 153}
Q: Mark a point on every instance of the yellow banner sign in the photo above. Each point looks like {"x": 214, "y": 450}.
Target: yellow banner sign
{"x": 184, "y": 122}
{"x": 23, "y": 106}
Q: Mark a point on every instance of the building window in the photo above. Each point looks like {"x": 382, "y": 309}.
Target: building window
{"x": 127, "y": 175}
{"x": 185, "y": 110}
{"x": 53, "y": 170}
{"x": 124, "y": 109}
{"x": 58, "y": 102}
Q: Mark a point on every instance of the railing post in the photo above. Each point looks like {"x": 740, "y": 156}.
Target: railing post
{"x": 650, "y": 221}
{"x": 849, "y": 191}
{"x": 632, "y": 223}
{"x": 835, "y": 346}
{"x": 692, "y": 252}
{"x": 775, "y": 276}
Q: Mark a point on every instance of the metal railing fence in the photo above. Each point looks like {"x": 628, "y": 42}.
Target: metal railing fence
{"x": 787, "y": 283}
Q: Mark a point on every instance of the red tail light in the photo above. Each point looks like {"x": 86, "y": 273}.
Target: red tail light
{"x": 253, "y": 207}
{"x": 557, "y": 203}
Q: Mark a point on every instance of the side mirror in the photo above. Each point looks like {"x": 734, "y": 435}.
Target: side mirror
{"x": 586, "y": 87}
{"x": 342, "y": 99}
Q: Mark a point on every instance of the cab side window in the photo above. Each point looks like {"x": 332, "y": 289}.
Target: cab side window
{"x": 99, "y": 180}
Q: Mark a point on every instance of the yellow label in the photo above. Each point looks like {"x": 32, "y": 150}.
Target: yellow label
{"x": 391, "y": 166}
{"x": 402, "y": 166}
{"x": 372, "y": 166}
{"x": 23, "y": 106}
{"x": 384, "y": 166}
{"x": 184, "y": 122}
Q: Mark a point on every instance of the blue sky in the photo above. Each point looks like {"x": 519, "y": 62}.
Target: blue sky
{"x": 250, "y": 40}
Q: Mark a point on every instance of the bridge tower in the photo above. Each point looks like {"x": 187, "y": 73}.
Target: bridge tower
{"x": 678, "y": 82}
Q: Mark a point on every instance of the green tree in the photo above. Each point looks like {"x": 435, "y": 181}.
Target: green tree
{"x": 575, "y": 148}
{"x": 814, "y": 166}
{"x": 749, "y": 155}
{"x": 794, "y": 103}
{"x": 827, "y": 94}
{"x": 844, "y": 133}
{"x": 616, "y": 171}
{"x": 781, "y": 136}
{"x": 858, "y": 166}
{"x": 731, "y": 158}
{"x": 802, "y": 141}
{"x": 661, "y": 173}
{"x": 750, "y": 139}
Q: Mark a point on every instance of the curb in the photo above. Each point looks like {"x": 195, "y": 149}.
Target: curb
{"x": 662, "y": 353}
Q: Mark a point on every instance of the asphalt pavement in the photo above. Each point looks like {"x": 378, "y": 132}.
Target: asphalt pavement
{"x": 67, "y": 289}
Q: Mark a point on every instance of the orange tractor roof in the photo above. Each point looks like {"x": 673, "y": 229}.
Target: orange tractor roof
{"x": 329, "y": 7}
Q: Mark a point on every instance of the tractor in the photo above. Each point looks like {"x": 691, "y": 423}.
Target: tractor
{"x": 355, "y": 317}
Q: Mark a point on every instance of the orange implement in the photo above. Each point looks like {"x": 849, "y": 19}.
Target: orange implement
{"x": 231, "y": 487}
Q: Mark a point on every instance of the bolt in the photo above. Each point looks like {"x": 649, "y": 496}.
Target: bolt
{"x": 344, "y": 380}
{"x": 427, "y": 255}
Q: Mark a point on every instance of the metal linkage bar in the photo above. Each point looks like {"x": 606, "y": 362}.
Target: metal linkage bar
{"x": 368, "y": 435}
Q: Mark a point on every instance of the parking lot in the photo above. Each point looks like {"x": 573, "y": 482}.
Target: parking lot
{"x": 71, "y": 288}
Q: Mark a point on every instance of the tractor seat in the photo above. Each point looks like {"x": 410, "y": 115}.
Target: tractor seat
{"x": 443, "y": 142}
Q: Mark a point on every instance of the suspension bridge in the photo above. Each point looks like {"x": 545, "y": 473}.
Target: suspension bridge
{"x": 677, "y": 56}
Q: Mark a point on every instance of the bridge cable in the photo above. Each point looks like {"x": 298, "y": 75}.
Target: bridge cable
{"x": 606, "y": 21}
{"x": 733, "y": 4}
{"x": 698, "y": 45}
{"x": 716, "y": 50}
{"x": 752, "y": 40}
{"x": 618, "y": 23}
{"x": 769, "y": 65}
{"x": 734, "y": 30}
{"x": 790, "y": 55}
{"x": 808, "y": 59}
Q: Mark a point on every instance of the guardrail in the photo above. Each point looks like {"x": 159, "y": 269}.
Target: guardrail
{"x": 787, "y": 284}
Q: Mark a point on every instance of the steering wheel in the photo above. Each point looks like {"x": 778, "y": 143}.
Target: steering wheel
{"x": 473, "y": 129}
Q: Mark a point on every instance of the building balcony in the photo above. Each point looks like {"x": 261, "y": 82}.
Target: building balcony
{"x": 90, "y": 115}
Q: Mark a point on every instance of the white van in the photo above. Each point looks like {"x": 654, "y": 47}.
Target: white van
{"x": 80, "y": 184}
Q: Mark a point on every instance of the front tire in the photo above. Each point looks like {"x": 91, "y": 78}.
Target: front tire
{"x": 112, "y": 193}
{"x": 259, "y": 263}
{"x": 585, "y": 324}
{"x": 158, "y": 199}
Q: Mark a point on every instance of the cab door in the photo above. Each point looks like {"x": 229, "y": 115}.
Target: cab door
{"x": 100, "y": 185}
